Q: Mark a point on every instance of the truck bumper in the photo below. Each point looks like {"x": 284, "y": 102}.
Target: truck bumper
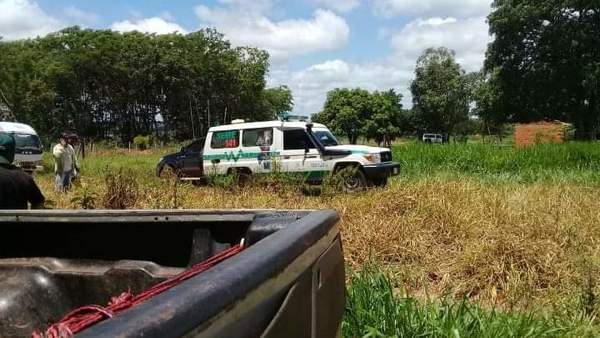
{"x": 382, "y": 170}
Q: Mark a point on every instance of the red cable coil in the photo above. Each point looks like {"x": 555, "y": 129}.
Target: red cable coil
{"x": 86, "y": 316}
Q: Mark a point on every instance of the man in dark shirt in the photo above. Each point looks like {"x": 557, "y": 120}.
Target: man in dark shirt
{"x": 17, "y": 189}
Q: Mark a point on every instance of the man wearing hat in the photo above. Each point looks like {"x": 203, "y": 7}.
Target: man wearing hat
{"x": 64, "y": 164}
{"x": 17, "y": 189}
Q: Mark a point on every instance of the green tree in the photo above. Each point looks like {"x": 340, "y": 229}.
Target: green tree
{"x": 440, "y": 92}
{"x": 278, "y": 101}
{"x": 346, "y": 111}
{"x": 487, "y": 105}
{"x": 386, "y": 118}
{"x": 104, "y": 84}
{"x": 545, "y": 62}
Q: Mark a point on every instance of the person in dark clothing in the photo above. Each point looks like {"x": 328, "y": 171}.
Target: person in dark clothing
{"x": 17, "y": 189}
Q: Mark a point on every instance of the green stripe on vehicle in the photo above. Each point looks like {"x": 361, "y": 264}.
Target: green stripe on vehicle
{"x": 233, "y": 156}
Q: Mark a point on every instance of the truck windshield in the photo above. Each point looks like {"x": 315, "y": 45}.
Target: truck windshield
{"x": 326, "y": 138}
{"x": 27, "y": 141}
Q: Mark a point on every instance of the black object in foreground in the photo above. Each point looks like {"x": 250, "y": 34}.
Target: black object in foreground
{"x": 289, "y": 281}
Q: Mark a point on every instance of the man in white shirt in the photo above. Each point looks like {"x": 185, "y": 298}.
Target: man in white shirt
{"x": 63, "y": 163}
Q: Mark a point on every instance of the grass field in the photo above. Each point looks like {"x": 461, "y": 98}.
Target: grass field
{"x": 471, "y": 240}
{"x": 549, "y": 163}
{"x": 375, "y": 310}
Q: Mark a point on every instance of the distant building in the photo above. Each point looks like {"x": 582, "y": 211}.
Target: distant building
{"x": 542, "y": 132}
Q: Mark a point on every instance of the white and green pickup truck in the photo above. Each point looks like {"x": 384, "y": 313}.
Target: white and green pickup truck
{"x": 290, "y": 147}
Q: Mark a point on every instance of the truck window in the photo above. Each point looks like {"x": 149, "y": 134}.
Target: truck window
{"x": 326, "y": 138}
{"x": 196, "y": 146}
{"x": 225, "y": 139}
{"x": 26, "y": 141}
{"x": 257, "y": 137}
{"x": 295, "y": 139}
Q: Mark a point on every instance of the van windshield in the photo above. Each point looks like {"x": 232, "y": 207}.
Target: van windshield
{"x": 27, "y": 141}
{"x": 325, "y": 137}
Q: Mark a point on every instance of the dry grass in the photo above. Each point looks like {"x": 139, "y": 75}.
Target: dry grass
{"x": 511, "y": 246}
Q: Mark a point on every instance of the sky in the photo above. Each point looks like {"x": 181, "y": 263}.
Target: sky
{"x": 315, "y": 45}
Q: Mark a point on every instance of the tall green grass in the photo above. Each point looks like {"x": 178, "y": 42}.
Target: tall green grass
{"x": 570, "y": 162}
{"x": 573, "y": 162}
{"x": 373, "y": 309}
{"x": 113, "y": 160}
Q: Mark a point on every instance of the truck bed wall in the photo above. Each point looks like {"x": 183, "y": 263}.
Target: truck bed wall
{"x": 70, "y": 260}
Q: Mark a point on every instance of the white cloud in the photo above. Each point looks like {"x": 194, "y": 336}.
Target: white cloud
{"x": 310, "y": 86}
{"x": 21, "y": 19}
{"x": 432, "y": 8}
{"x": 247, "y": 24}
{"x": 339, "y": 5}
{"x": 80, "y": 16}
{"x": 468, "y": 37}
{"x": 149, "y": 25}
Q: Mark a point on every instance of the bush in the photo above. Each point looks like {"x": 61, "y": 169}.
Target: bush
{"x": 85, "y": 198}
{"x": 121, "y": 190}
{"x": 141, "y": 142}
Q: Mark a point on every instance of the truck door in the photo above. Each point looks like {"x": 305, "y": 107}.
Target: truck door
{"x": 300, "y": 154}
{"x": 257, "y": 147}
{"x": 192, "y": 159}
{"x": 222, "y": 152}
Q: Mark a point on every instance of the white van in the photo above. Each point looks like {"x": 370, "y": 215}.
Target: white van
{"x": 433, "y": 138}
{"x": 28, "y": 152}
{"x": 310, "y": 149}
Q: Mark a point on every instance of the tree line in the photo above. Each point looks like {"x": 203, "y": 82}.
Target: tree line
{"x": 543, "y": 64}
{"x": 109, "y": 85}
{"x": 441, "y": 94}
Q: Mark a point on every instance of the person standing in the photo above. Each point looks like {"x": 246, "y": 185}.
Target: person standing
{"x": 72, "y": 141}
{"x": 63, "y": 163}
{"x": 17, "y": 189}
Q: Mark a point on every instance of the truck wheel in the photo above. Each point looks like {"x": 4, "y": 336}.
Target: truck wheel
{"x": 351, "y": 179}
{"x": 243, "y": 178}
{"x": 241, "y": 175}
{"x": 167, "y": 172}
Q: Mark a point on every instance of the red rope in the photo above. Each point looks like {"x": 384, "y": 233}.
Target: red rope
{"x": 86, "y": 316}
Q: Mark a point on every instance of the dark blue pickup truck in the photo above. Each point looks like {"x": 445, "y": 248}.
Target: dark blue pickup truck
{"x": 287, "y": 280}
{"x": 185, "y": 163}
